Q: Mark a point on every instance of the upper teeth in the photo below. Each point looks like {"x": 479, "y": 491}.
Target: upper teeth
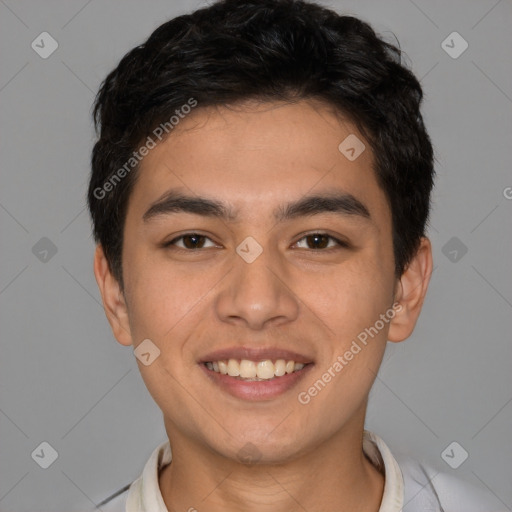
{"x": 247, "y": 369}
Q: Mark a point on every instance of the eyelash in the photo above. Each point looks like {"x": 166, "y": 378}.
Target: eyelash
{"x": 340, "y": 243}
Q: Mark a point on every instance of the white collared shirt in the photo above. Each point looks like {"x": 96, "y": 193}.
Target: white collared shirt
{"x": 408, "y": 487}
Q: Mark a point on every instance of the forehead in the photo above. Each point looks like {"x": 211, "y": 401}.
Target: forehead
{"x": 260, "y": 155}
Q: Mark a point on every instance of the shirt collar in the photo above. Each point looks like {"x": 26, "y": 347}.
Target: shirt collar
{"x": 381, "y": 457}
{"x": 145, "y": 496}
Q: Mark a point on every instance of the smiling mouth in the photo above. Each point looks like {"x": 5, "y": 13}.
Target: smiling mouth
{"x": 249, "y": 371}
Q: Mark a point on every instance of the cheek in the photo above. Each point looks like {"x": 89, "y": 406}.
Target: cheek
{"x": 163, "y": 298}
{"x": 350, "y": 303}
{"x": 350, "y": 297}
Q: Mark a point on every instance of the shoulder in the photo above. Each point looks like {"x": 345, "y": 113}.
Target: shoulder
{"x": 426, "y": 488}
{"x": 143, "y": 493}
{"x": 116, "y": 502}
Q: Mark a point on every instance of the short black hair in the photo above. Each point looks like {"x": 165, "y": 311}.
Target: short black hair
{"x": 264, "y": 50}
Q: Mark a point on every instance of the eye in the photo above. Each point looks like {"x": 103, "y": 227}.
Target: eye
{"x": 313, "y": 241}
{"x": 189, "y": 241}
{"x": 317, "y": 241}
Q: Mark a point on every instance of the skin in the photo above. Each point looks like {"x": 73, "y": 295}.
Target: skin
{"x": 293, "y": 296}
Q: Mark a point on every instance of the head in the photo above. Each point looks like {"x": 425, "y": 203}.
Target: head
{"x": 260, "y": 187}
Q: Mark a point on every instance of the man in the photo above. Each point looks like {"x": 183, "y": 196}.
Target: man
{"x": 260, "y": 191}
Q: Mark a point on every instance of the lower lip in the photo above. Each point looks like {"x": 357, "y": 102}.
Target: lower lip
{"x": 258, "y": 390}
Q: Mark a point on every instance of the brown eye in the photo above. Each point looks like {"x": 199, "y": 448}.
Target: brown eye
{"x": 315, "y": 241}
{"x": 189, "y": 241}
{"x": 193, "y": 241}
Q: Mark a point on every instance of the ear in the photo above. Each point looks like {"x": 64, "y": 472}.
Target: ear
{"x": 113, "y": 298}
{"x": 410, "y": 293}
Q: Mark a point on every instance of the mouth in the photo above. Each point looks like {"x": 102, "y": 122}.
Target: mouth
{"x": 254, "y": 371}
{"x": 255, "y": 375}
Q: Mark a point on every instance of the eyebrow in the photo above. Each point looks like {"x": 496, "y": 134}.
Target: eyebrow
{"x": 336, "y": 202}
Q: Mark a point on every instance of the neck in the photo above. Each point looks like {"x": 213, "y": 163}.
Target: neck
{"x": 335, "y": 476}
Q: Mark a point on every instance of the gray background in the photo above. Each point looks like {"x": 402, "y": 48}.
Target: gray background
{"x": 66, "y": 381}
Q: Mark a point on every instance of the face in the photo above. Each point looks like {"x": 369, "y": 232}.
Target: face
{"x": 253, "y": 245}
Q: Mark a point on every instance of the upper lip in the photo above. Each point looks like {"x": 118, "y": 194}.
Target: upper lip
{"x": 255, "y": 354}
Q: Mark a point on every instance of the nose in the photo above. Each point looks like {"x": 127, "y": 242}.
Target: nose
{"x": 256, "y": 295}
